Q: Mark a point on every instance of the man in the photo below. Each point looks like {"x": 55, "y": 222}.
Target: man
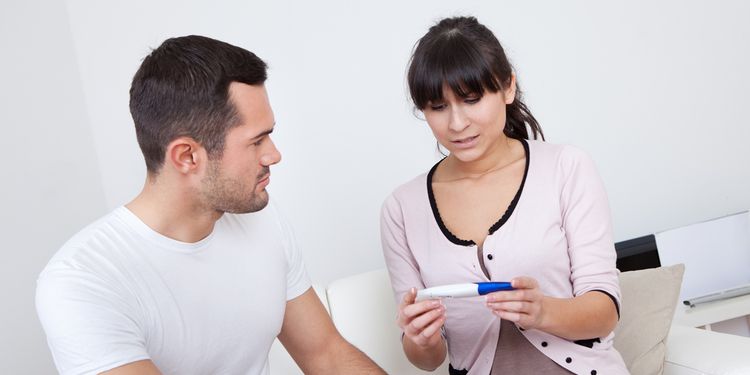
{"x": 179, "y": 281}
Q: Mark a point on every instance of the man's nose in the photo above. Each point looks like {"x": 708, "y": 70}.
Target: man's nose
{"x": 272, "y": 156}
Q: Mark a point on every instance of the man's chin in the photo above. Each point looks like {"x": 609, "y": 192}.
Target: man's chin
{"x": 259, "y": 202}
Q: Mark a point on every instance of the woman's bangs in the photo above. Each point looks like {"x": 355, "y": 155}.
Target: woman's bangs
{"x": 455, "y": 64}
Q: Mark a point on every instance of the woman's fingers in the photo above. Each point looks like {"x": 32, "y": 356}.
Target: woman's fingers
{"x": 510, "y": 316}
{"x": 522, "y": 305}
{"x": 526, "y": 289}
{"x": 419, "y": 308}
{"x": 512, "y": 306}
{"x": 424, "y": 330}
{"x": 410, "y": 308}
{"x": 413, "y": 316}
{"x": 524, "y": 282}
{"x": 409, "y": 297}
{"x": 418, "y": 315}
{"x": 510, "y": 295}
{"x": 433, "y": 328}
{"x": 419, "y": 323}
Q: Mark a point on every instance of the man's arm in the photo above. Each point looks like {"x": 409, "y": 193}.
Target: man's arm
{"x": 310, "y": 337}
{"x": 144, "y": 367}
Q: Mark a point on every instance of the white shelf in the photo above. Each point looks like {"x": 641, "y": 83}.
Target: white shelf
{"x": 712, "y": 312}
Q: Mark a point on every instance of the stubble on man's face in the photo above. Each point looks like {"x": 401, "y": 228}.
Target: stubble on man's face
{"x": 233, "y": 195}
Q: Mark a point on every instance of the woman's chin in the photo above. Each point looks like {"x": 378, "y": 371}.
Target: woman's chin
{"x": 466, "y": 156}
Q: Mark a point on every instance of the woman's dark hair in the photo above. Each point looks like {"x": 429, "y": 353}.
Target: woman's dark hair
{"x": 465, "y": 55}
{"x": 182, "y": 89}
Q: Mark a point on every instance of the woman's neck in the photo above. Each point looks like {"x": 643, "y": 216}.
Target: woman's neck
{"x": 503, "y": 152}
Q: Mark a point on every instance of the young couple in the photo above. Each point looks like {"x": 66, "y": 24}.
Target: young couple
{"x": 199, "y": 274}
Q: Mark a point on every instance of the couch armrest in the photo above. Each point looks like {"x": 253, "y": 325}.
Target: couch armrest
{"x": 694, "y": 351}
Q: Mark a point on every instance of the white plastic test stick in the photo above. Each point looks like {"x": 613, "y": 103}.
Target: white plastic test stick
{"x": 462, "y": 290}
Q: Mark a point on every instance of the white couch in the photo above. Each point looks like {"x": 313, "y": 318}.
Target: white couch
{"x": 363, "y": 309}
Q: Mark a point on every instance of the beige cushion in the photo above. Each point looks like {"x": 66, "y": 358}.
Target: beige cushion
{"x": 649, "y": 298}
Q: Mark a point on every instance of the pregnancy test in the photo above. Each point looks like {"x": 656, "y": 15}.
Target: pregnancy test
{"x": 462, "y": 290}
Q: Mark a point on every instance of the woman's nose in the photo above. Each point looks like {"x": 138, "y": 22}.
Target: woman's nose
{"x": 458, "y": 121}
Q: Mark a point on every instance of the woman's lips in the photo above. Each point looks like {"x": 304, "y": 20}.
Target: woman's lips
{"x": 467, "y": 142}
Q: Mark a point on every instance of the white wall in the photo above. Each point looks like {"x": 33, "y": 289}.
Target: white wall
{"x": 655, "y": 91}
{"x": 51, "y": 184}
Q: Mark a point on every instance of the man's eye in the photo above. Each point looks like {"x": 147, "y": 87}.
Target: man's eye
{"x": 259, "y": 142}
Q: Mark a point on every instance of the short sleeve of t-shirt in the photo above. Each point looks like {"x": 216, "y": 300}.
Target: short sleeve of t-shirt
{"x": 297, "y": 279}
{"x": 89, "y": 323}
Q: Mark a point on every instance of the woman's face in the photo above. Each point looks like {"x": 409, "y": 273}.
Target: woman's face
{"x": 469, "y": 127}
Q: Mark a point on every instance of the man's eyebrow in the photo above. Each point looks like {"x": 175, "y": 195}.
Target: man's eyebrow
{"x": 265, "y": 132}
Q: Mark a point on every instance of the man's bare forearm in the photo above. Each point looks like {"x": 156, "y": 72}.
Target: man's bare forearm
{"x": 343, "y": 358}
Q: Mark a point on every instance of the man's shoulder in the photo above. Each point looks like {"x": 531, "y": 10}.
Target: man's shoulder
{"x": 90, "y": 245}
{"x": 86, "y": 270}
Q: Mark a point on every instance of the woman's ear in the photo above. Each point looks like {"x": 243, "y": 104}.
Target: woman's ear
{"x": 509, "y": 93}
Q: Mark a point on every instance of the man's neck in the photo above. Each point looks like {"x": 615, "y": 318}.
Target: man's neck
{"x": 173, "y": 212}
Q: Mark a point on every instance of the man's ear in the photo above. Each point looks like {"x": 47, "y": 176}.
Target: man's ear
{"x": 509, "y": 93}
{"x": 185, "y": 155}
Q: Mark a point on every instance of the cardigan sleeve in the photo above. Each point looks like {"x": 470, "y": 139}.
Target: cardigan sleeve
{"x": 587, "y": 223}
{"x": 402, "y": 267}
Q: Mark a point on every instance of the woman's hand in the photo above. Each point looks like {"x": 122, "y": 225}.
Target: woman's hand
{"x": 421, "y": 321}
{"x": 524, "y": 305}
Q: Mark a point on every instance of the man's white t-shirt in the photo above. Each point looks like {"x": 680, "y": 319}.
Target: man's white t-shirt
{"x": 119, "y": 292}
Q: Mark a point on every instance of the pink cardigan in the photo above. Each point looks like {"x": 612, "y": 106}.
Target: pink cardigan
{"x": 557, "y": 230}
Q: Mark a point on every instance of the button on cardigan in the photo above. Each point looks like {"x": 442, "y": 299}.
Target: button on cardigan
{"x": 557, "y": 231}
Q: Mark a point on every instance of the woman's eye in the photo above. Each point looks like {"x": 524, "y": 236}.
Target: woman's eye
{"x": 437, "y": 107}
{"x": 471, "y": 100}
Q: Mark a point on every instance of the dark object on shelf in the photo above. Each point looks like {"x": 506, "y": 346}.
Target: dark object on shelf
{"x": 637, "y": 254}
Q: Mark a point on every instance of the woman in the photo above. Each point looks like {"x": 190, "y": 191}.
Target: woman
{"x": 499, "y": 207}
